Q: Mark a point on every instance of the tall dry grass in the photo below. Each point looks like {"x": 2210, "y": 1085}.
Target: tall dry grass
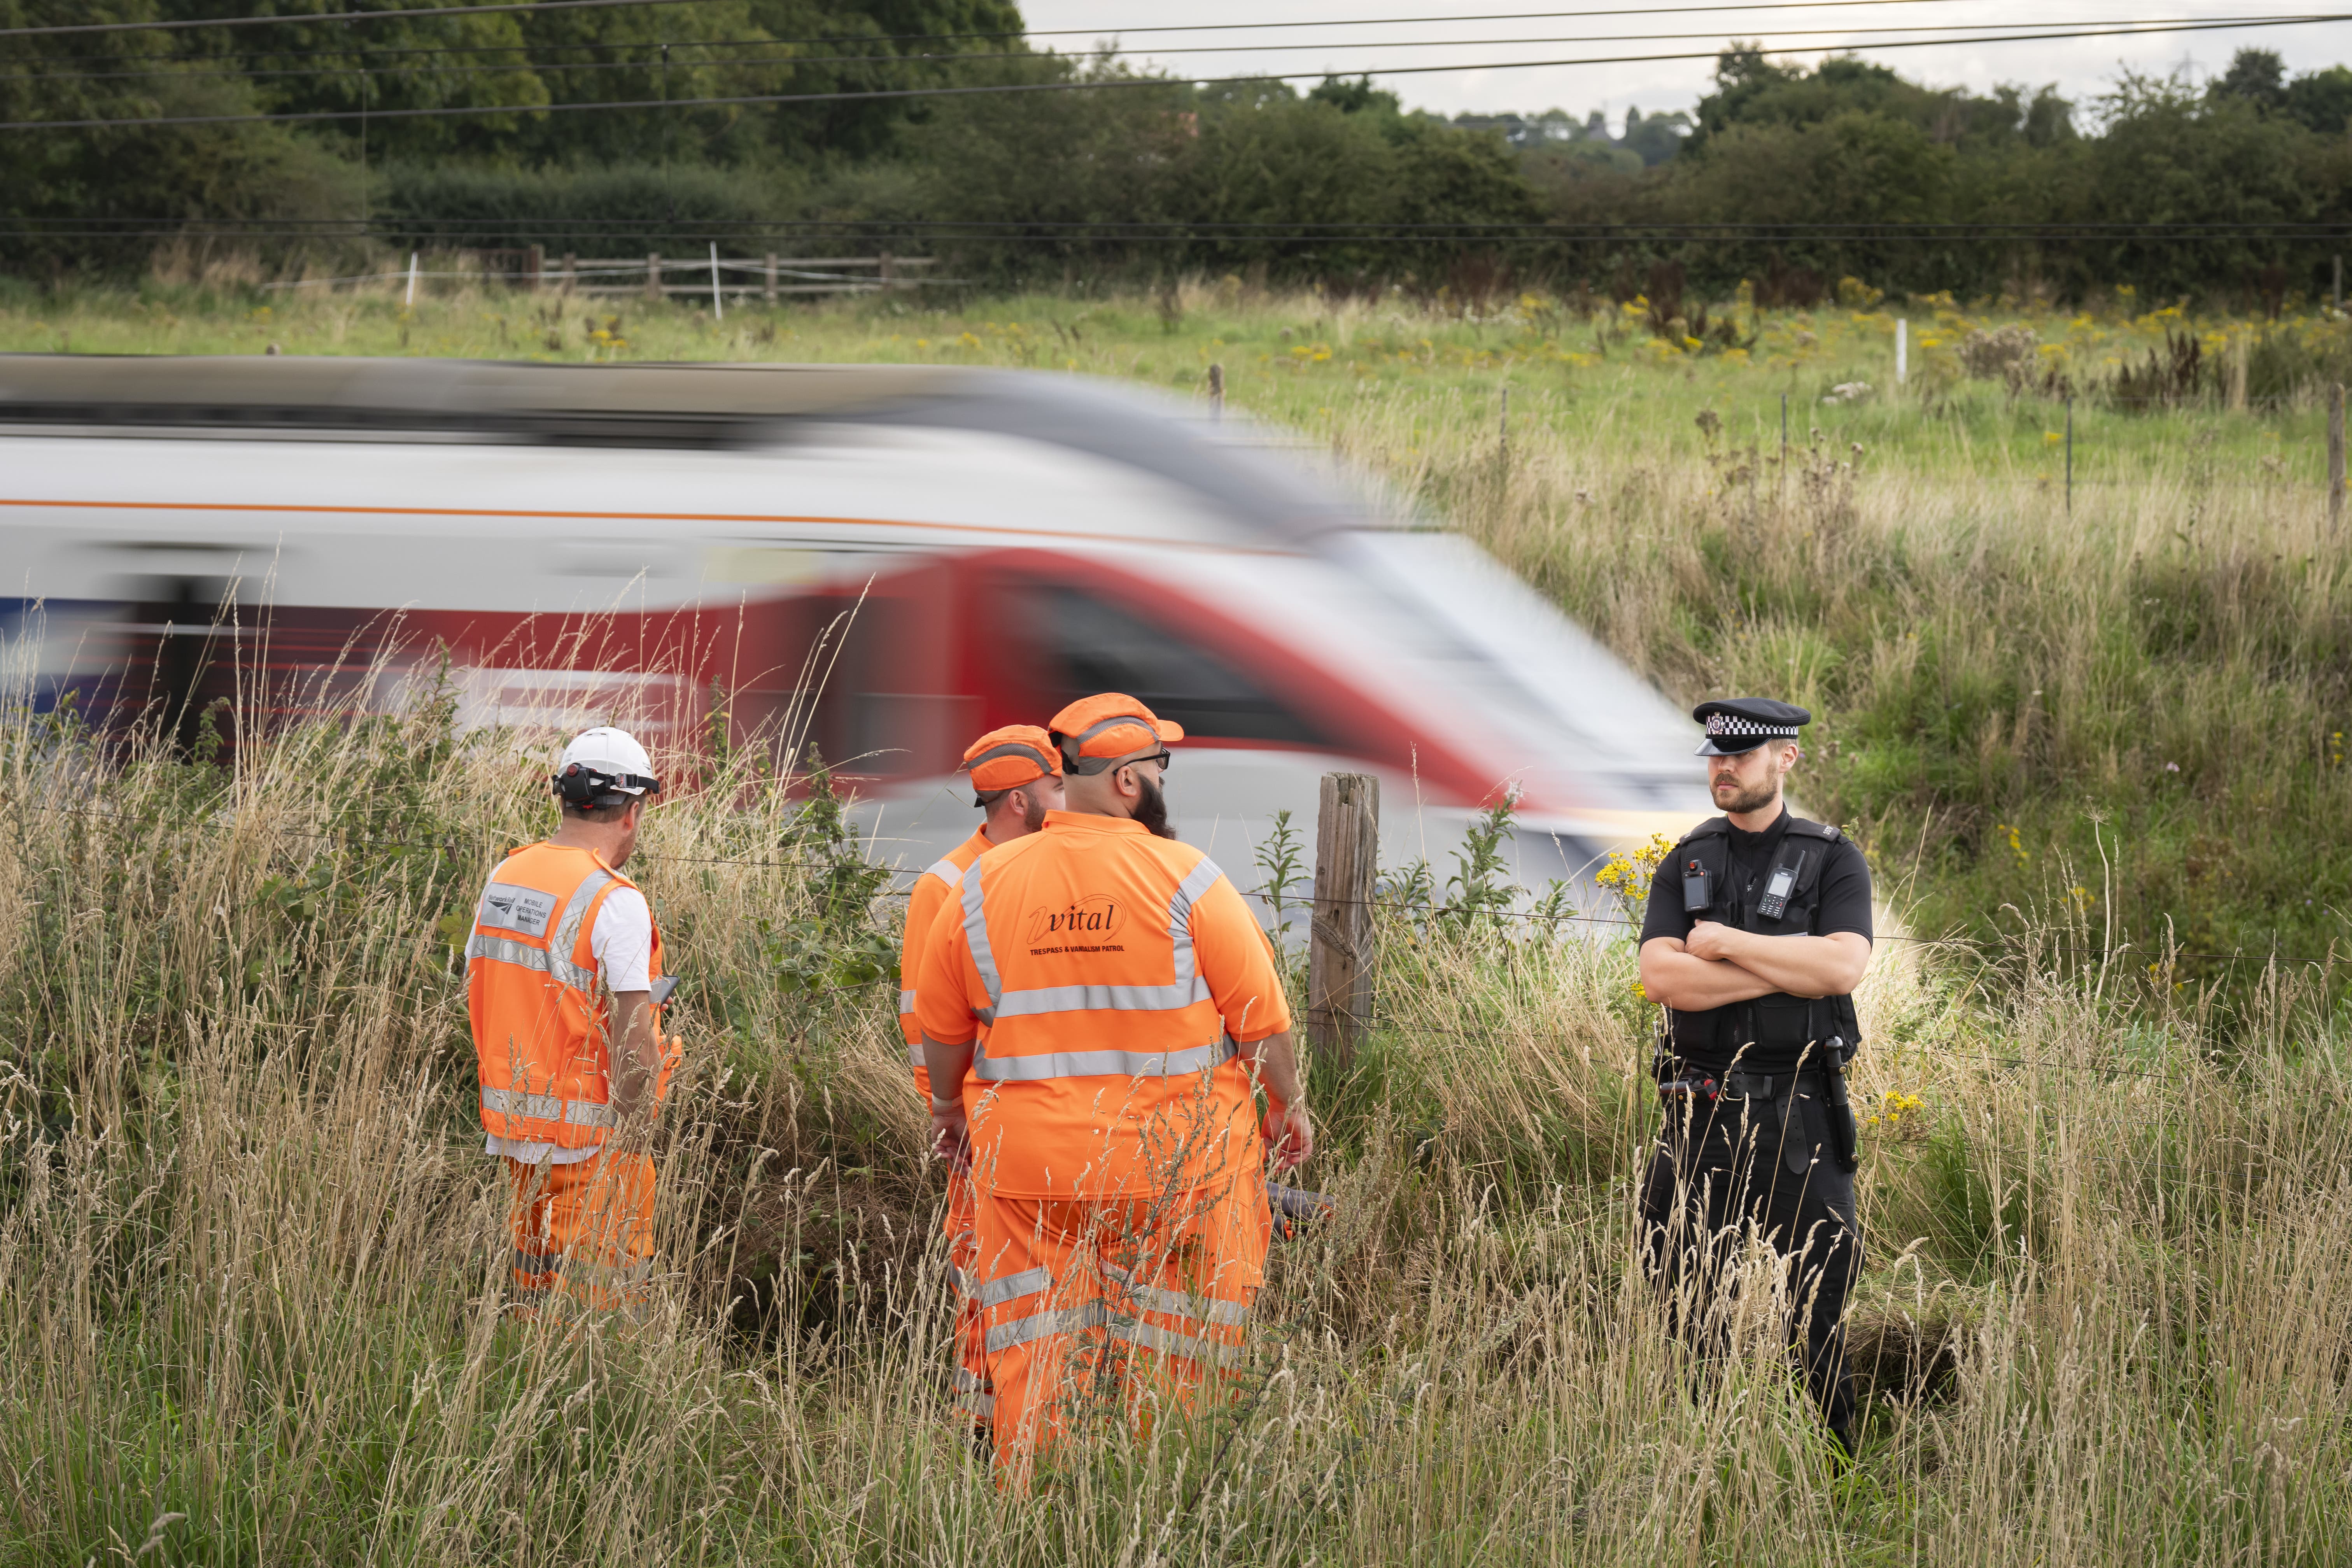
{"x": 254, "y": 1255}
{"x": 2134, "y": 707}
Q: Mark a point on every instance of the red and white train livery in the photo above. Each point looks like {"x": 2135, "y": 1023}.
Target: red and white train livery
{"x": 887, "y": 561}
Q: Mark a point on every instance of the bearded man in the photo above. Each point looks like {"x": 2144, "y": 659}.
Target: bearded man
{"x": 1757, "y": 931}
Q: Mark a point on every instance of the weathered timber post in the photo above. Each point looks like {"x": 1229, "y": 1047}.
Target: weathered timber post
{"x": 1339, "y": 952}
{"x": 2335, "y": 455}
{"x": 570, "y": 272}
{"x": 768, "y": 294}
{"x": 537, "y": 267}
{"x": 1216, "y": 394}
{"x": 653, "y": 278}
{"x": 2070, "y": 457}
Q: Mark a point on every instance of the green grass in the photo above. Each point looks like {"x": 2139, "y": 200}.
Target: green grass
{"x": 252, "y": 1248}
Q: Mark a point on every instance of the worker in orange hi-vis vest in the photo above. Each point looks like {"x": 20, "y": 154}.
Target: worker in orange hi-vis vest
{"x": 1106, "y": 1001}
{"x": 1016, "y": 778}
{"x": 564, "y": 978}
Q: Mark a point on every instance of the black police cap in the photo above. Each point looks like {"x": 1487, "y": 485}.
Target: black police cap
{"x": 1737, "y": 724}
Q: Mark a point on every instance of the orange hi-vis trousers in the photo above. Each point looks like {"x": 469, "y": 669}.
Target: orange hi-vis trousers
{"x": 973, "y": 1395}
{"x": 583, "y": 1232}
{"x": 1130, "y": 1297}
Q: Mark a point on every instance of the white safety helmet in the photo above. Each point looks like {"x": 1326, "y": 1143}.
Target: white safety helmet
{"x": 603, "y": 767}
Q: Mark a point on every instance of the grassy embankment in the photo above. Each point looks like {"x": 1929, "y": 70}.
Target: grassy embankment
{"x": 2130, "y": 704}
{"x": 253, "y": 1250}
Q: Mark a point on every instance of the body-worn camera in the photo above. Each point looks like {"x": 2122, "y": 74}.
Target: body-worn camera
{"x": 1695, "y": 898}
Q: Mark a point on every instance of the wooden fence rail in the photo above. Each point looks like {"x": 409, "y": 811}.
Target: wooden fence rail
{"x": 654, "y": 275}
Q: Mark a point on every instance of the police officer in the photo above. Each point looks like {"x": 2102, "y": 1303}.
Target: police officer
{"x": 1757, "y": 933}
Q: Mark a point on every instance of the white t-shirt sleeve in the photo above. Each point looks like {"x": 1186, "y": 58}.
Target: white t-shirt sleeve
{"x": 623, "y": 940}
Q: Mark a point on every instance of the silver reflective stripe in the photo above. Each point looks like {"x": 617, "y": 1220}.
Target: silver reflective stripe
{"x": 1010, "y": 748}
{"x": 946, "y": 871}
{"x": 546, "y": 1108}
{"x": 1012, "y": 1286}
{"x": 1091, "y": 731}
{"x": 975, "y": 935}
{"x": 1045, "y": 1325}
{"x": 905, "y": 1003}
{"x": 1196, "y": 882}
{"x": 981, "y": 1405}
{"x": 1102, "y": 999}
{"x": 506, "y": 950}
{"x": 1151, "y": 1336}
{"x": 635, "y": 1273}
{"x": 1095, "y": 1315}
{"x": 968, "y": 1383}
{"x": 566, "y": 939}
{"x": 1101, "y": 1063}
{"x": 957, "y": 1277}
{"x": 915, "y": 1056}
{"x": 1176, "y": 1304}
{"x": 536, "y": 1262}
{"x": 1185, "y": 987}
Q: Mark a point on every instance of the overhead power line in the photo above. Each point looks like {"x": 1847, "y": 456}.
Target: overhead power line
{"x": 837, "y": 233}
{"x": 902, "y": 38}
{"x": 547, "y": 68}
{"x": 409, "y": 14}
{"x": 1112, "y": 84}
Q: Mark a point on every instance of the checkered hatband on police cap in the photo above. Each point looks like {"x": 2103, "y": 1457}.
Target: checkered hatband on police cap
{"x": 1732, "y": 725}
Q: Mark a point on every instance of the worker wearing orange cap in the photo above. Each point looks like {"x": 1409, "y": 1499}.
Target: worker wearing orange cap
{"x": 1105, "y": 1000}
{"x": 1016, "y": 779}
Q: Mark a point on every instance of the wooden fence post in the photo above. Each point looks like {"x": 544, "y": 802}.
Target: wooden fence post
{"x": 771, "y": 294}
{"x": 537, "y": 267}
{"x": 2335, "y": 455}
{"x": 1216, "y": 394}
{"x": 889, "y": 271}
{"x": 1339, "y": 951}
{"x": 570, "y": 272}
{"x": 653, "y": 278}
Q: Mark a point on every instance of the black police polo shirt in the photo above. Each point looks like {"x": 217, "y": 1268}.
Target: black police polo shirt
{"x": 1843, "y": 899}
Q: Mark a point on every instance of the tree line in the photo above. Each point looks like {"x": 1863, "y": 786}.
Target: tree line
{"x": 1786, "y": 177}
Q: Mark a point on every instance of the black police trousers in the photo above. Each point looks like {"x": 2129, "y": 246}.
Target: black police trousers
{"x": 1725, "y": 1164}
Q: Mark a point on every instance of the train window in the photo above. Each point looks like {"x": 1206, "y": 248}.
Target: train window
{"x": 1093, "y": 644}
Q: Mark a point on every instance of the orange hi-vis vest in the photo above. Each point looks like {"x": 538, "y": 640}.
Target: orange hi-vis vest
{"x": 541, "y": 1018}
{"x": 931, "y": 893}
{"x": 1105, "y": 975}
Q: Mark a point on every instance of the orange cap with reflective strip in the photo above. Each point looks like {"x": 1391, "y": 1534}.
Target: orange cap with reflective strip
{"x": 1110, "y": 724}
{"x": 1011, "y": 757}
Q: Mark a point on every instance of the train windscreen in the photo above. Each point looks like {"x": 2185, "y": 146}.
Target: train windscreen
{"x": 1092, "y": 645}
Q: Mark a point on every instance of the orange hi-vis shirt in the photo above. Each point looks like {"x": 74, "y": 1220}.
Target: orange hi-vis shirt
{"x": 935, "y": 887}
{"x": 541, "y": 1021}
{"x": 1105, "y": 975}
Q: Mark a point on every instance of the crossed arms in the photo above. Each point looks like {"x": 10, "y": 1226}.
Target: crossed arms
{"x": 1717, "y": 964}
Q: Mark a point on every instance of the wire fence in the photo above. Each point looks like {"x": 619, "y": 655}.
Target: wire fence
{"x": 1409, "y": 909}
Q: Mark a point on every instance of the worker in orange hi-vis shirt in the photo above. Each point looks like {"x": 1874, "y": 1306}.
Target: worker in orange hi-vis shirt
{"x": 1108, "y": 1004}
{"x": 564, "y": 983}
{"x": 1016, "y": 778}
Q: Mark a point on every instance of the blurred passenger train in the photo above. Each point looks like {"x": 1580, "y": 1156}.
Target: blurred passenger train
{"x": 882, "y": 560}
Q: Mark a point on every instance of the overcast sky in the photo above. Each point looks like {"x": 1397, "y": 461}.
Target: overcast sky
{"x": 2083, "y": 68}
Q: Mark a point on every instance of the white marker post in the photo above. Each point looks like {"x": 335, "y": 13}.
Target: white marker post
{"x": 410, "y": 300}
{"x": 717, "y": 307}
{"x": 1902, "y": 348}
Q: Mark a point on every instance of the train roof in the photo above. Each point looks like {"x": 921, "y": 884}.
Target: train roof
{"x": 674, "y": 406}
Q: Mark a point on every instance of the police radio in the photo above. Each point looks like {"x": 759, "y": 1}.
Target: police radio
{"x": 1780, "y": 885}
{"x": 1696, "y": 901}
